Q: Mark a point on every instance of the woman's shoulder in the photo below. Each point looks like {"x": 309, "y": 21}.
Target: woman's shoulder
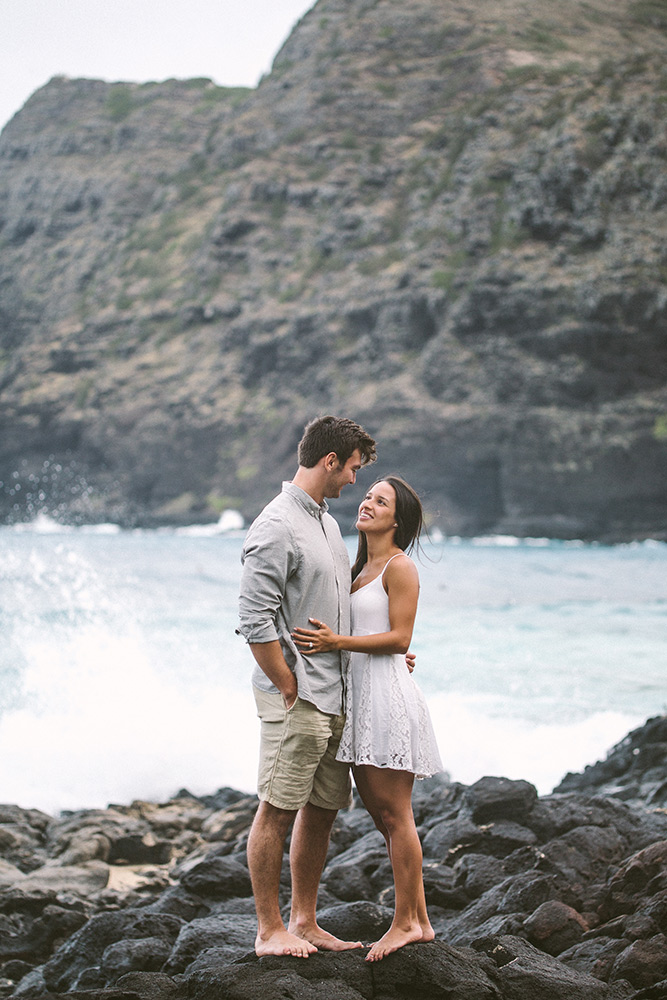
{"x": 400, "y": 568}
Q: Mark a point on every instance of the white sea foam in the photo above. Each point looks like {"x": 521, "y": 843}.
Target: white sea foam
{"x": 105, "y": 528}
{"x": 117, "y": 731}
{"x": 473, "y": 743}
{"x": 121, "y": 676}
{"x": 101, "y": 723}
{"x": 229, "y": 521}
{"x": 42, "y": 525}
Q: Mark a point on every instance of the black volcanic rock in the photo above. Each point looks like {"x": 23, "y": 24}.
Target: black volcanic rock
{"x": 635, "y": 770}
{"x": 218, "y": 878}
{"x": 570, "y": 902}
{"x": 449, "y": 226}
{"x": 500, "y": 798}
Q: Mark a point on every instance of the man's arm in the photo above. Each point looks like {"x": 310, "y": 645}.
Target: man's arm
{"x": 270, "y": 659}
{"x": 269, "y": 558}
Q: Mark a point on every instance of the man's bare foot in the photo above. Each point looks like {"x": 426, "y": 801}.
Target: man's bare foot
{"x": 395, "y": 938}
{"x": 283, "y": 943}
{"x": 322, "y": 939}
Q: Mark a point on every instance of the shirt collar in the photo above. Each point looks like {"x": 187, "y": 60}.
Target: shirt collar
{"x": 306, "y": 501}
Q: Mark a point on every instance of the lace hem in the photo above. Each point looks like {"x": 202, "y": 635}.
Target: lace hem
{"x": 407, "y": 742}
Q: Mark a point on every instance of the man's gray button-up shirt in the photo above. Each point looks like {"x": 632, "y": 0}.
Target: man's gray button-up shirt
{"x": 296, "y": 567}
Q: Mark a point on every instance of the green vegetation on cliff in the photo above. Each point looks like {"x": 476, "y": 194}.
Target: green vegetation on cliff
{"x": 446, "y": 221}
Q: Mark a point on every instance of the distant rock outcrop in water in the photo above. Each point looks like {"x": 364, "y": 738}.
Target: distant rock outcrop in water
{"x": 561, "y": 897}
{"x": 445, "y": 220}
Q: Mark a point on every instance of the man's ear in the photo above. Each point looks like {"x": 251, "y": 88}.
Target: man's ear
{"x": 331, "y": 461}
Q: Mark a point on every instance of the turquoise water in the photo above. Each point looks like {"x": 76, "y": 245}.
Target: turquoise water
{"x": 121, "y": 676}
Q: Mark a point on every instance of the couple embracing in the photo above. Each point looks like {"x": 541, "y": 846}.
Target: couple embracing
{"x": 333, "y": 686}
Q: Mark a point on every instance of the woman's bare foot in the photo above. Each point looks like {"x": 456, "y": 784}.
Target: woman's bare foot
{"x": 320, "y": 938}
{"x": 395, "y": 938}
{"x": 428, "y": 934}
{"x": 283, "y": 943}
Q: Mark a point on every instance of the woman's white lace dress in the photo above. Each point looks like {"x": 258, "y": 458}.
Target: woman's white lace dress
{"x": 387, "y": 722}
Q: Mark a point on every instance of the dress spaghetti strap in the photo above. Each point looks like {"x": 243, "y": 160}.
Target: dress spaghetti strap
{"x": 381, "y": 577}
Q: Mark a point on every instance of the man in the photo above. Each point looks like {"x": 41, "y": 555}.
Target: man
{"x": 296, "y": 566}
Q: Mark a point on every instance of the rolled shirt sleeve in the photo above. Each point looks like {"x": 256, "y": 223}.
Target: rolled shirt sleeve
{"x": 269, "y": 559}
{"x": 296, "y": 566}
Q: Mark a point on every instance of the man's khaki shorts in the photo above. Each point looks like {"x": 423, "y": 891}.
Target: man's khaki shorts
{"x": 297, "y": 755}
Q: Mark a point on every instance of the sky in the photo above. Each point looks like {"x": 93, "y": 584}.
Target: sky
{"x": 233, "y": 42}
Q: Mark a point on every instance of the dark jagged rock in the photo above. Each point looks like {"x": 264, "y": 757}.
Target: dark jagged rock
{"x": 559, "y": 897}
{"x": 643, "y": 961}
{"x": 358, "y": 921}
{"x": 426, "y": 973}
{"x": 218, "y": 878}
{"x": 348, "y": 875}
{"x": 22, "y": 837}
{"x": 212, "y": 941}
{"x": 38, "y": 925}
{"x": 500, "y": 798}
{"x": 120, "y": 935}
{"x": 525, "y": 973}
{"x": 634, "y": 770}
{"x": 554, "y": 927}
{"x": 449, "y": 227}
{"x": 641, "y": 876}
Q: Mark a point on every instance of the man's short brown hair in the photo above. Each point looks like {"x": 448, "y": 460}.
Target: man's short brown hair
{"x": 338, "y": 434}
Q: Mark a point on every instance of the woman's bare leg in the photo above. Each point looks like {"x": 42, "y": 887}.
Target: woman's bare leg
{"x": 387, "y": 794}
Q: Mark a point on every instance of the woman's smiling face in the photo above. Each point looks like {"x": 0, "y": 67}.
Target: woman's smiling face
{"x": 377, "y": 511}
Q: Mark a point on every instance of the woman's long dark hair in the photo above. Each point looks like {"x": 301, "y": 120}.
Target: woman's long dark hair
{"x": 409, "y": 518}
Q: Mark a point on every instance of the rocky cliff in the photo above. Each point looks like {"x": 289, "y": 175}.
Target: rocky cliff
{"x": 448, "y": 221}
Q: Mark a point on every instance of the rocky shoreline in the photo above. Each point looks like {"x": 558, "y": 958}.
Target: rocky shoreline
{"x": 558, "y": 897}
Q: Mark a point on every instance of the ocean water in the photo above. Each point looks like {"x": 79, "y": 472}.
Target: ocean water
{"x": 121, "y": 676}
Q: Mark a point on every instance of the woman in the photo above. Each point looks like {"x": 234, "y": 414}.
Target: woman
{"x": 388, "y": 736}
